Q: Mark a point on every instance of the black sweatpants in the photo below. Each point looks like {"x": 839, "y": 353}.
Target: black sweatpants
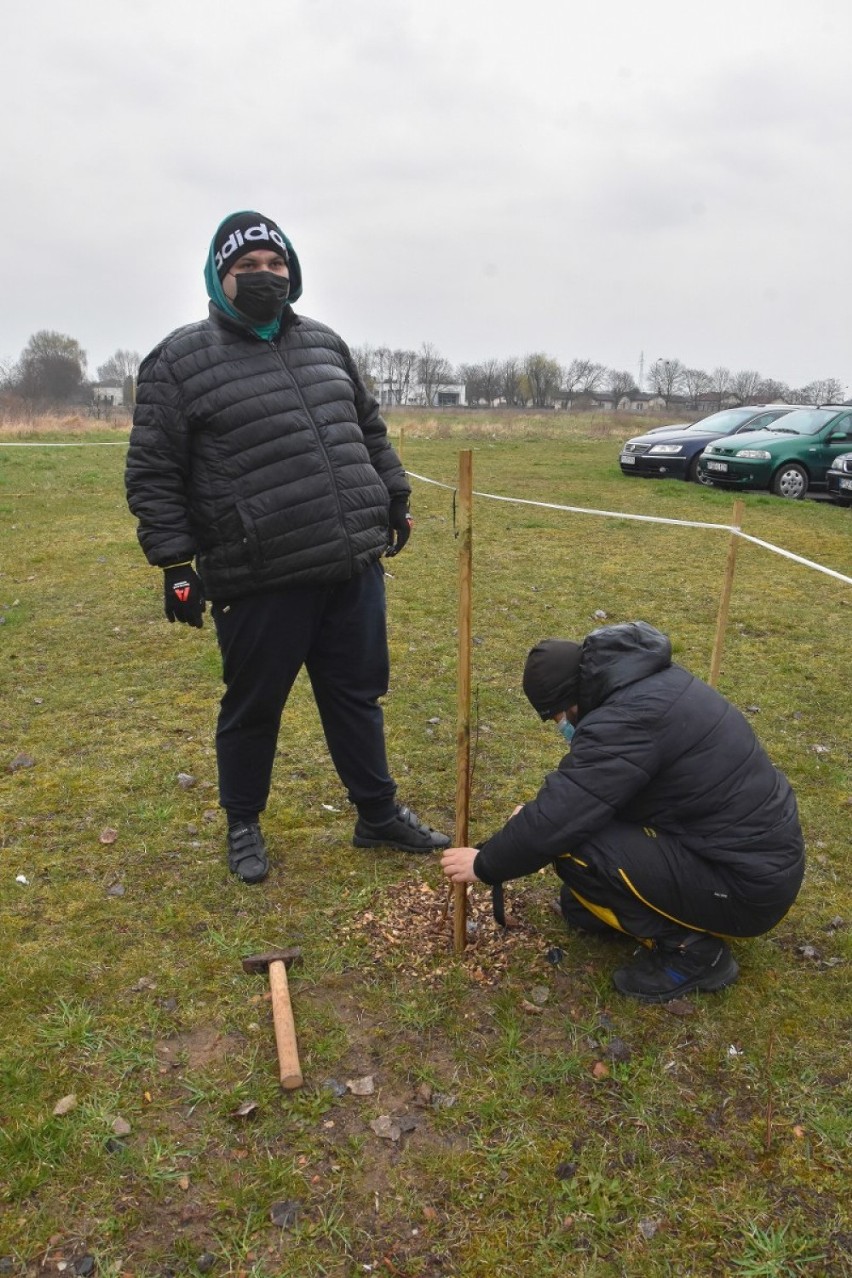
{"x": 339, "y": 634}
{"x": 648, "y": 884}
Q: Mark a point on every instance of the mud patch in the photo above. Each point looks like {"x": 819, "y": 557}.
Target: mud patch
{"x": 198, "y": 1048}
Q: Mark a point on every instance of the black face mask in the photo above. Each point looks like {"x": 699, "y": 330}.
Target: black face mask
{"x": 261, "y": 295}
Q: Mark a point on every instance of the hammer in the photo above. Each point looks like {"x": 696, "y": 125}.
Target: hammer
{"x": 276, "y": 963}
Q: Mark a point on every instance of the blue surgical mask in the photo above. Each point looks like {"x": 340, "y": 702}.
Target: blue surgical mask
{"x": 567, "y": 729}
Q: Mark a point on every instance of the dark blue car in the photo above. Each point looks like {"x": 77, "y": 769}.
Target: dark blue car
{"x": 672, "y": 452}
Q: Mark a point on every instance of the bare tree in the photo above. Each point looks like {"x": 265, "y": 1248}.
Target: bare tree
{"x": 482, "y": 381}
{"x": 826, "y": 391}
{"x": 510, "y": 382}
{"x": 121, "y": 365}
{"x": 365, "y": 359}
{"x": 433, "y": 371}
{"x": 769, "y": 391}
{"x": 51, "y": 369}
{"x": 619, "y": 382}
{"x": 744, "y": 385}
{"x": 666, "y": 377}
{"x": 400, "y": 374}
{"x": 696, "y": 383}
{"x": 720, "y": 383}
{"x": 543, "y": 376}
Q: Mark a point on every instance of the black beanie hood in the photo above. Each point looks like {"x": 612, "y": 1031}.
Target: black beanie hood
{"x": 239, "y": 234}
{"x": 552, "y": 676}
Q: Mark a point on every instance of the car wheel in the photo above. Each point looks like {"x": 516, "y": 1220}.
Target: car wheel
{"x": 693, "y": 475}
{"x": 790, "y": 481}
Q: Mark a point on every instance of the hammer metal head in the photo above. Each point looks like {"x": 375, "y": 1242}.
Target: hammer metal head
{"x": 260, "y": 962}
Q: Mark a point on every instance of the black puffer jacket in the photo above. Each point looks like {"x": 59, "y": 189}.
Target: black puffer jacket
{"x": 268, "y": 461}
{"x": 655, "y": 746}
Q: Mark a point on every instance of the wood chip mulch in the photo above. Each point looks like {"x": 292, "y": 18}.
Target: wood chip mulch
{"x": 409, "y": 927}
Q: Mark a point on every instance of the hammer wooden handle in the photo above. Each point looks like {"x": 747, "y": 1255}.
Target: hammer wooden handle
{"x": 285, "y": 1029}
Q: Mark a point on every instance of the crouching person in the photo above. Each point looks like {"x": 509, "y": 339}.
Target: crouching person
{"x": 665, "y": 821}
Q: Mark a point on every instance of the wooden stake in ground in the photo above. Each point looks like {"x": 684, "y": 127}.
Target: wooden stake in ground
{"x": 725, "y": 599}
{"x": 465, "y": 502}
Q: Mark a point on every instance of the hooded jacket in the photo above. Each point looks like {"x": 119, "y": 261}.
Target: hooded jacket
{"x": 655, "y": 746}
{"x": 265, "y": 458}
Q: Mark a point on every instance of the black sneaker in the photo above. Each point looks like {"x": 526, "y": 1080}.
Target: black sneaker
{"x": 247, "y": 856}
{"x": 666, "y": 972}
{"x": 404, "y": 831}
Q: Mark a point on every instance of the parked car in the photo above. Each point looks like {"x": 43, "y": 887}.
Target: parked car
{"x": 839, "y": 480}
{"x": 789, "y": 457}
{"x": 672, "y": 452}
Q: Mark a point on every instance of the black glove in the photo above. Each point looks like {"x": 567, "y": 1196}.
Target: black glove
{"x": 399, "y": 526}
{"x": 184, "y": 594}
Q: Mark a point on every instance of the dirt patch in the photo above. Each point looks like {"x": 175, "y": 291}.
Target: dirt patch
{"x": 198, "y": 1048}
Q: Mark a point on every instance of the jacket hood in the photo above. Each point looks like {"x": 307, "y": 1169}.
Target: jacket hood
{"x": 615, "y": 656}
{"x": 217, "y": 295}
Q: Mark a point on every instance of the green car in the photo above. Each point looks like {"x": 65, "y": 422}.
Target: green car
{"x": 788, "y": 457}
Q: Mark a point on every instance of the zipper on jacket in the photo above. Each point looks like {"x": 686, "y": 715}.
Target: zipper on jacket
{"x": 277, "y": 352}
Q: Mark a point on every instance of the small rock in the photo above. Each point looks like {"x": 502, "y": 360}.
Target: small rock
{"x": 424, "y": 1094}
{"x": 21, "y": 761}
{"x": 617, "y": 1050}
{"x": 405, "y": 1122}
{"x": 193, "y": 829}
{"x": 442, "y": 1100}
{"x": 564, "y": 1171}
{"x": 210, "y": 814}
{"x": 752, "y": 709}
{"x": 205, "y": 1262}
{"x": 109, "y": 835}
{"x": 335, "y": 1086}
{"x": 599, "y": 1070}
{"x": 599, "y": 614}
{"x": 647, "y": 1228}
{"x": 820, "y": 749}
{"x": 65, "y": 1105}
{"x": 117, "y": 889}
{"x": 539, "y": 994}
{"x": 809, "y": 951}
{"x": 114, "y": 1146}
{"x": 248, "y": 1109}
{"x": 284, "y": 1214}
{"x": 361, "y": 1086}
{"x": 7, "y": 1264}
{"x": 679, "y": 1007}
{"x": 185, "y": 780}
{"x": 833, "y": 924}
{"x": 85, "y": 1266}
{"x": 385, "y": 1127}
{"x": 605, "y": 1022}
{"x": 555, "y": 955}
{"x": 121, "y": 1127}
{"x": 22, "y": 879}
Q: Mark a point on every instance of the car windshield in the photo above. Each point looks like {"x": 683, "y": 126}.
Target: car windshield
{"x": 804, "y": 421}
{"x": 723, "y": 422}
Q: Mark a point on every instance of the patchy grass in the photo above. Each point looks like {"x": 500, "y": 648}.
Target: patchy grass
{"x": 547, "y": 1126}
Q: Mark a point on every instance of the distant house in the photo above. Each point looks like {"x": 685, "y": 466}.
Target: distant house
{"x": 449, "y": 395}
{"x": 107, "y": 394}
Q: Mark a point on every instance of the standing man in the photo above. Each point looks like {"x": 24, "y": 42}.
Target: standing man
{"x": 666, "y": 820}
{"x": 258, "y": 455}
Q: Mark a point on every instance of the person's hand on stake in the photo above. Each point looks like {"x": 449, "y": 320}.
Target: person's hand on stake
{"x": 457, "y": 864}
{"x": 399, "y": 525}
{"x": 184, "y": 595}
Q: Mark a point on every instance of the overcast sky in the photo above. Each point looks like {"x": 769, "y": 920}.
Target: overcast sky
{"x": 495, "y": 177}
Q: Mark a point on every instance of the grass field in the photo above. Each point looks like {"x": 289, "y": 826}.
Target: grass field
{"x": 539, "y": 1123}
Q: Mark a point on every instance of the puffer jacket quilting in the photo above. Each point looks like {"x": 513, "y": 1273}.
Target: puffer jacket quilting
{"x": 269, "y": 461}
{"x": 657, "y": 748}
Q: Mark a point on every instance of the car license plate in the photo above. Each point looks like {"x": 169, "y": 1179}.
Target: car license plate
{"x": 627, "y": 460}
{"x": 711, "y": 465}
{"x": 845, "y": 483}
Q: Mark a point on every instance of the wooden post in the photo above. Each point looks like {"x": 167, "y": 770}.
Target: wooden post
{"x": 725, "y": 599}
{"x": 400, "y": 442}
{"x": 465, "y": 496}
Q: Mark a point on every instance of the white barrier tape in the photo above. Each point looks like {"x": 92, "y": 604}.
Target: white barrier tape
{"x": 49, "y": 443}
{"x": 648, "y": 519}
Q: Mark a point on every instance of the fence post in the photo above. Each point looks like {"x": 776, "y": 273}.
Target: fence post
{"x": 463, "y": 710}
{"x": 725, "y": 598}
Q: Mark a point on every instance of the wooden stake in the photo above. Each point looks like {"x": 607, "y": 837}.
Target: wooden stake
{"x": 400, "y": 443}
{"x": 465, "y": 502}
{"x": 725, "y": 599}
